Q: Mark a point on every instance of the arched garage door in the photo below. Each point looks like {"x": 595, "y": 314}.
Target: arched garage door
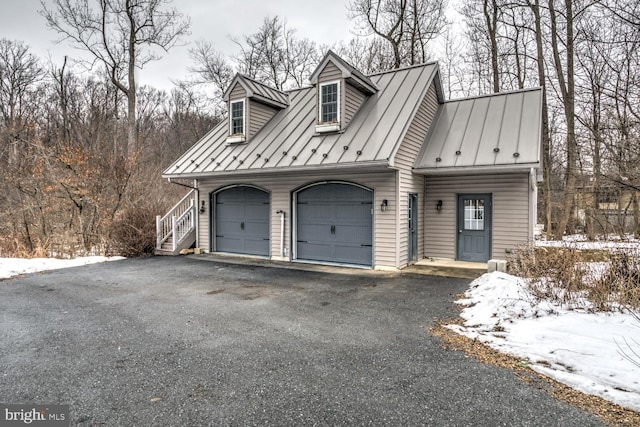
{"x": 241, "y": 221}
{"x": 334, "y": 224}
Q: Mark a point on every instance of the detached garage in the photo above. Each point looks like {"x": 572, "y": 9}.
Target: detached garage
{"x": 374, "y": 171}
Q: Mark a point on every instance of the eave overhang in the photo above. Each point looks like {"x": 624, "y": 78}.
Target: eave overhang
{"x": 478, "y": 170}
{"x": 368, "y": 166}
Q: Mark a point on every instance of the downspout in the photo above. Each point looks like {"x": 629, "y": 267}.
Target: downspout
{"x": 282, "y": 215}
{"x": 533, "y": 203}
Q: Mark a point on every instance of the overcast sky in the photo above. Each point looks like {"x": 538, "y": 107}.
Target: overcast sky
{"x": 322, "y": 21}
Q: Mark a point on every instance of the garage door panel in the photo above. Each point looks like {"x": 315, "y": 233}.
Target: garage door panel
{"x": 355, "y": 194}
{"x": 256, "y": 247}
{"x": 256, "y": 213}
{"x": 314, "y": 194}
{"x": 242, "y": 221}
{"x": 334, "y": 224}
{"x": 360, "y": 234}
{"x": 315, "y": 232}
{"x": 229, "y": 243}
{"x": 256, "y": 230}
{"x": 229, "y": 210}
{"x": 315, "y": 211}
{"x": 352, "y": 213}
{"x": 352, "y": 254}
{"x": 314, "y": 251}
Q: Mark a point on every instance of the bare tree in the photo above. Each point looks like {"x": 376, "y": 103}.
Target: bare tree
{"x": 367, "y": 54}
{"x": 20, "y": 72}
{"x": 210, "y": 66}
{"x": 276, "y": 56}
{"x": 118, "y": 34}
{"x": 565, "y": 75}
{"x": 534, "y": 6}
{"x": 272, "y": 55}
{"x": 406, "y": 25}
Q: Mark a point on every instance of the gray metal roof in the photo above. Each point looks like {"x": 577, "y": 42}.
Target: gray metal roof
{"x": 348, "y": 72}
{"x": 289, "y": 141}
{"x": 258, "y": 91}
{"x": 492, "y": 133}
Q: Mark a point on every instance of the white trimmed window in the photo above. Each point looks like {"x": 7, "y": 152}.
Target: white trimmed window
{"x": 237, "y": 119}
{"x": 329, "y": 107}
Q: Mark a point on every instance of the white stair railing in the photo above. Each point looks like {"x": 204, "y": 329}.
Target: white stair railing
{"x": 177, "y": 223}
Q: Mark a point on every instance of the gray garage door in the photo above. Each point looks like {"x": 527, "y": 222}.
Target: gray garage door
{"x": 242, "y": 221}
{"x": 334, "y": 224}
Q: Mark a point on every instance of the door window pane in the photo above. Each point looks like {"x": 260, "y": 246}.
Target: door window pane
{"x": 474, "y": 214}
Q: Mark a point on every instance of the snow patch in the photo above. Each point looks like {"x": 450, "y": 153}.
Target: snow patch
{"x": 574, "y": 347}
{"x": 14, "y": 266}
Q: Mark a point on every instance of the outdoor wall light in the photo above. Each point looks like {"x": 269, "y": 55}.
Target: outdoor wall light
{"x": 202, "y": 207}
{"x": 383, "y": 206}
{"x": 439, "y": 205}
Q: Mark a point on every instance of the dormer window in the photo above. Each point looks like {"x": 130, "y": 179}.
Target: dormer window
{"x": 329, "y": 107}
{"x": 237, "y": 119}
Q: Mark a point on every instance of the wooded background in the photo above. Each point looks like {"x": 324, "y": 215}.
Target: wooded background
{"x": 82, "y": 150}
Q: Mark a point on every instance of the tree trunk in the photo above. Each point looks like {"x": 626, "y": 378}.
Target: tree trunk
{"x": 491, "y": 18}
{"x": 546, "y": 140}
{"x": 567, "y": 90}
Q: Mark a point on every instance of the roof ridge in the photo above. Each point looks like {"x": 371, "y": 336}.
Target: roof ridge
{"x": 244, "y": 76}
{"x": 488, "y": 95}
{"x": 408, "y": 67}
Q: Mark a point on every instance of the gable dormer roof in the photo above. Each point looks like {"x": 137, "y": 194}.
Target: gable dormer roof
{"x": 348, "y": 73}
{"x": 258, "y": 91}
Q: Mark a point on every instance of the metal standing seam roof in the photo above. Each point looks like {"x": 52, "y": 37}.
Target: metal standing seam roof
{"x": 258, "y": 91}
{"x": 494, "y": 132}
{"x": 289, "y": 140}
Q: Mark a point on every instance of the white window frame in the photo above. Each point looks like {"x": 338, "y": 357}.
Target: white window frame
{"x": 237, "y": 137}
{"x": 330, "y": 126}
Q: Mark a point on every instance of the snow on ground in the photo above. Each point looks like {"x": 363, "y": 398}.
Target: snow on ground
{"x": 580, "y": 349}
{"x": 581, "y": 242}
{"x": 14, "y": 266}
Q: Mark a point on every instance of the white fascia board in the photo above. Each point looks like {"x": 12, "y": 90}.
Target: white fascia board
{"x": 471, "y": 170}
{"x": 374, "y": 165}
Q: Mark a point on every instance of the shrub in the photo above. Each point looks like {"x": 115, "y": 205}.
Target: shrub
{"x": 133, "y": 232}
{"x": 564, "y": 275}
{"x": 621, "y": 281}
{"x": 554, "y": 273}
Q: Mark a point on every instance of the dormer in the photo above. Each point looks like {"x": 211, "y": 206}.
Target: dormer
{"x": 340, "y": 92}
{"x": 251, "y": 105}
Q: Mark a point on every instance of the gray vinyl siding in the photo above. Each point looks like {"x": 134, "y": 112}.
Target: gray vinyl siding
{"x": 410, "y": 182}
{"x": 280, "y": 188}
{"x": 258, "y": 115}
{"x": 354, "y": 99}
{"x": 237, "y": 93}
{"x": 330, "y": 73}
{"x": 511, "y": 213}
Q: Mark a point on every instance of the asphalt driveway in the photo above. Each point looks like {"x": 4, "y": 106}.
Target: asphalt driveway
{"x": 186, "y": 342}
